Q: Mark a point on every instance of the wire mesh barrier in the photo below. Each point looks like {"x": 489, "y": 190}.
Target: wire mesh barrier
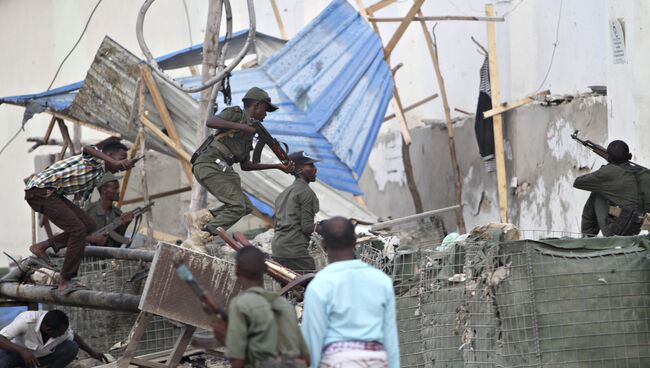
{"x": 547, "y": 303}
{"x": 103, "y": 329}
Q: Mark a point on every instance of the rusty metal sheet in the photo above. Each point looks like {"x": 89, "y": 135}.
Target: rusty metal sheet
{"x": 167, "y": 295}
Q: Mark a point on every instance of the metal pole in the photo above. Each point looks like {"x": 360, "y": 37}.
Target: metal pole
{"x": 80, "y": 298}
{"x": 119, "y": 253}
{"x": 385, "y": 224}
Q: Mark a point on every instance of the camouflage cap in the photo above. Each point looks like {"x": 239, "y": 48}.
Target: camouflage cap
{"x": 258, "y": 94}
{"x": 107, "y": 178}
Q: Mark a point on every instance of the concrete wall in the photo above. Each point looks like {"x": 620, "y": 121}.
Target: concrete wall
{"x": 539, "y": 153}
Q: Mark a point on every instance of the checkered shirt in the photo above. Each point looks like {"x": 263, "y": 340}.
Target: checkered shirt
{"x": 75, "y": 174}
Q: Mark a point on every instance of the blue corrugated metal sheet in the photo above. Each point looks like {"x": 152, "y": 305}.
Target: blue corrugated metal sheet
{"x": 332, "y": 87}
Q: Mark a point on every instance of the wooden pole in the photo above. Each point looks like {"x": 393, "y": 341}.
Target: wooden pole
{"x": 166, "y": 118}
{"x": 158, "y": 195}
{"x": 180, "y": 152}
{"x": 390, "y": 46}
{"x": 396, "y": 102}
{"x": 48, "y": 132}
{"x": 458, "y": 185}
{"x": 379, "y": 5}
{"x": 413, "y": 106}
{"x": 421, "y": 18}
{"x": 497, "y": 121}
{"x": 127, "y": 174}
{"x": 208, "y": 70}
{"x": 278, "y": 19}
{"x": 148, "y": 218}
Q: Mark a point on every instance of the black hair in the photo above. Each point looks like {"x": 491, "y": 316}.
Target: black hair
{"x": 338, "y": 233}
{"x": 56, "y": 320}
{"x": 250, "y": 262}
{"x": 618, "y": 152}
{"x": 113, "y": 146}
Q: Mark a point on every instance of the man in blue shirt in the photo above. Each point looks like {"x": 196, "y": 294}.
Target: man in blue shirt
{"x": 349, "y": 315}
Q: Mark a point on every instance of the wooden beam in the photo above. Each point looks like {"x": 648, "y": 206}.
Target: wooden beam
{"x": 158, "y": 195}
{"x": 390, "y": 46}
{"x": 413, "y": 106}
{"x": 180, "y": 152}
{"x": 422, "y": 18}
{"x": 278, "y": 19}
{"x": 399, "y": 113}
{"x": 48, "y": 132}
{"x": 127, "y": 174}
{"x": 507, "y": 106}
{"x": 166, "y": 118}
{"x": 66, "y": 135}
{"x": 458, "y": 186}
{"x": 499, "y": 153}
{"x": 379, "y": 5}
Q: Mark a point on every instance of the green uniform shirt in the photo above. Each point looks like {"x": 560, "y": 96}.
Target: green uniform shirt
{"x": 261, "y": 325}
{"x": 617, "y": 183}
{"x": 295, "y": 209}
{"x": 233, "y": 142}
{"x": 97, "y": 212}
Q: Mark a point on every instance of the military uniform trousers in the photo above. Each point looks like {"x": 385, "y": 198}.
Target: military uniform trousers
{"x": 226, "y": 187}
{"x": 595, "y": 216}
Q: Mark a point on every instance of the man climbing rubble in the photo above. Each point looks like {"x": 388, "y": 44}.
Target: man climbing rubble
{"x": 212, "y": 166}
{"x": 620, "y": 194}
{"x": 104, "y": 211}
{"x": 45, "y": 193}
{"x": 295, "y": 209}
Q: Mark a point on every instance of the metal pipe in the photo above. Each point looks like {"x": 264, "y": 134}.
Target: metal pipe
{"x": 219, "y": 76}
{"x": 119, "y": 253}
{"x": 439, "y": 18}
{"x": 79, "y": 298}
{"x": 389, "y": 223}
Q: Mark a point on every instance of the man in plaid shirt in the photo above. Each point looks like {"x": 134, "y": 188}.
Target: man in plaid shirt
{"x": 45, "y": 192}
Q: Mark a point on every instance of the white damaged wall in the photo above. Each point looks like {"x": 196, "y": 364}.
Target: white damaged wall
{"x": 540, "y": 154}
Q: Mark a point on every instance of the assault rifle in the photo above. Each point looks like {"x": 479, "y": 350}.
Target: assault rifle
{"x": 265, "y": 138}
{"x": 596, "y": 148}
{"x": 109, "y": 229}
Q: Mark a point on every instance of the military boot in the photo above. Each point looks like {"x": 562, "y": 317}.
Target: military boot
{"x": 197, "y": 240}
{"x": 198, "y": 219}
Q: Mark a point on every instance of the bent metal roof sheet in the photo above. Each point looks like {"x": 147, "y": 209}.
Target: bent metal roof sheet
{"x": 330, "y": 82}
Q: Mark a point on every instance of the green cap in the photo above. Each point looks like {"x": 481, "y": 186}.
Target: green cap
{"x": 258, "y": 94}
{"x": 107, "y": 178}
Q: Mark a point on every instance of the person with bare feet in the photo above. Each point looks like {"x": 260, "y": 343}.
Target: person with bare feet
{"x": 46, "y": 193}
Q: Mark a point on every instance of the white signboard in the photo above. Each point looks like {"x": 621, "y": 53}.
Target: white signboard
{"x": 618, "y": 41}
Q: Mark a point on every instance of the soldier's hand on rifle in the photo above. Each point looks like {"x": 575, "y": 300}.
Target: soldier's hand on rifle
{"x": 124, "y": 164}
{"x": 248, "y": 130}
{"x": 99, "y": 239}
{"x": 219, "y": 329}
{"x": 126, "y": 218}
{"x": 288, "y": 168}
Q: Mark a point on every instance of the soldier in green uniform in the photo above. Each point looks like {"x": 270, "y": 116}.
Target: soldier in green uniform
{"x": 295, "y": 209}
{"x": 104, "y": 212}
{"x": 212, "y": 166}
{"x": 620, "y": 195}
{"x": 262, "y": 328}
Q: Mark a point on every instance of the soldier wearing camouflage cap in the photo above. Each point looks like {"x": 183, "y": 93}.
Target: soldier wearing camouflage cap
{"x": 212, "y": 166}
{"x": 105, "y": 212}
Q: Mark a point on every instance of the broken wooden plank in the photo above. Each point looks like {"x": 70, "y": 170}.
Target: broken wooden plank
{"x": 422, "y": 18}
{"x": 502, "y": 185}
{"x": 127, "y": 174}
{"x": 166, "y": 118}
{"x": 158, "y": 195}
{"x": 163, "y": 137}
{"x": 507, "y": 106}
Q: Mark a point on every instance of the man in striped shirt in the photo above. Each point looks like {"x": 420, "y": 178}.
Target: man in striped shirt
{"x": 45, "y": 193}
